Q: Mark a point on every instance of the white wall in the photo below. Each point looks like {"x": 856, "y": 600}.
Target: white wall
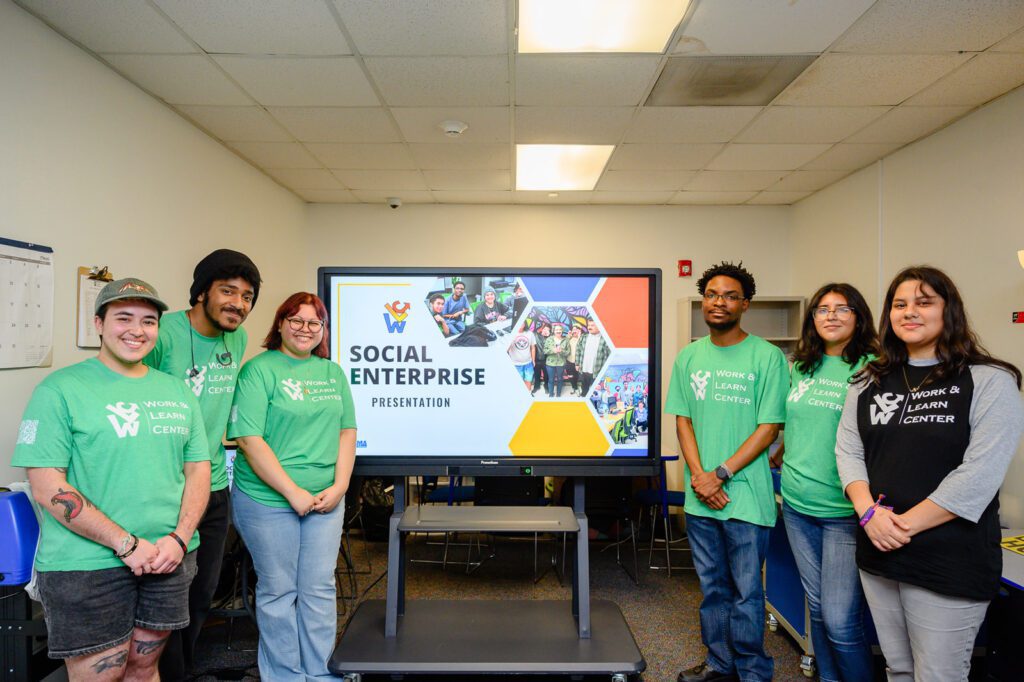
{"x": 954, "y": 200}
{"x": 105, "y": 175}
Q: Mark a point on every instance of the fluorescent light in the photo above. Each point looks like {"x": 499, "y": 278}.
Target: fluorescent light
{"x": 598, "y": 25}
{"x": 554, "y": 167}
{"x": 1020, "y": 257}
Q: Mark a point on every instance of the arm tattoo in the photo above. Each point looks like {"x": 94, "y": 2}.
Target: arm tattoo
{"x": 71, "y": 501}
{"x": 144, "y": 648}
{"x": 114, "y": 660}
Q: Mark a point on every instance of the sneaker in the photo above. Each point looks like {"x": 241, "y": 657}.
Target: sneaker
{"x": 702, "y": 672}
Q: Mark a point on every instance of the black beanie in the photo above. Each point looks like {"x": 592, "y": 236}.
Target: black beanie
{"x": 224, "y": 264}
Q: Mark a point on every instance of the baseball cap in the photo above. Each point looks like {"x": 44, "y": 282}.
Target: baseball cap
{"x": 126, "y": 288}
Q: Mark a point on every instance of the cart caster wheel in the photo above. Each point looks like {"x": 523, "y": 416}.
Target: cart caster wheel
{"x": 352, "y": 677}
{"x": 773, "y": 623}
{"x": 808, "y": 666}
{"x": 619, "y": 677}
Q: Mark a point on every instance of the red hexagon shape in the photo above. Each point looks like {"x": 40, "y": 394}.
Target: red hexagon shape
{"x": 622, "y": 307}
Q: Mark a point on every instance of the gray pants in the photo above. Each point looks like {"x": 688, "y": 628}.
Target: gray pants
{"x": 925, "y": 636}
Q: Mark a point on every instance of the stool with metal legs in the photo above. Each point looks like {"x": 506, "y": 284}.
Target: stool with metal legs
{"x": 657, "y": 501}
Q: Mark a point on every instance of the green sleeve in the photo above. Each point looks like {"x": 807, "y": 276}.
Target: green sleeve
{"x": 348, "y": 406}
{"x": 198, "y": 448}
{"x": 677, "y": 402}
{"x": 771, "y": 398}
{"x": 252, "y": 401}
{"x": 44, "y": 435}
{"x": 156, "y": 356}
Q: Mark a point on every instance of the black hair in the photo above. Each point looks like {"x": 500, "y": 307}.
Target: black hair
{"x": 810, "y": 349}
{"x": 249, "y": 274}
{"x": 727, "y": 269}
{"x": 434, "y": 297}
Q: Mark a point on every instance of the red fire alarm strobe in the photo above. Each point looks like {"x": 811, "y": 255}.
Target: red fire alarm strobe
{"x": 685, "y": 268}
{"x": 1018, "y": 317}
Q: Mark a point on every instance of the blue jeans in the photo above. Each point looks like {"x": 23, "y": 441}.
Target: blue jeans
{"x": 556, "y": 379}
{"x": 825, "y": 549}
{"x": 728, "y": 556}
{"x": 296, "y": 608}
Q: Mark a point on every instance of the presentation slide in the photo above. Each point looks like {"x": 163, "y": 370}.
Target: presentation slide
{"x": 498, "y": 365}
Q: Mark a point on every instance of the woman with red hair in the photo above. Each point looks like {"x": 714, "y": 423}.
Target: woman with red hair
{"x": 294, "y": 420}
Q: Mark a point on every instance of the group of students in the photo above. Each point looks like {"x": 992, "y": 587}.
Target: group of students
{"x": 124, "y": 452}
{"x": 547, "y": 362}
{"x": 895, "y": 446}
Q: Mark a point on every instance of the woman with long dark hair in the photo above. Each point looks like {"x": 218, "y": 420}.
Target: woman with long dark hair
{"x": 925, "y": 439}
{"x": 837, "y": 340}
{"x": 295, "y": 423}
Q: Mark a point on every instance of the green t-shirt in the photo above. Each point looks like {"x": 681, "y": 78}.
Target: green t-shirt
{"x": 727, "y": 392}
{"x": 299, "y": 407}
{"x": 217, "y": 360}
{"x": 124, "y": 442}
{"x": 810, "y": 480}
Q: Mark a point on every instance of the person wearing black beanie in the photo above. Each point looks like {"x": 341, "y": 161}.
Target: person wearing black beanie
{"x": 203, "y": 346}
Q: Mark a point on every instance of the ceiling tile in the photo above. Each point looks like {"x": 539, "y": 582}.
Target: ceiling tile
{"x": 726, "y": 81}
{"x": 850, "y": 156}
{"x": 468, "y": 179}
{"x": 985, "y": 77}
{"x": 752, "y": 27}
{"x": 252, "y": 124}
{"x": 721, "y": 198}
{"x": 369, "y": 196}
{"x": 906, "y": 124}
{"x": 258, "y": 26}
{"x": 807, "y": 181}
{"x": 733, "y": 181}
{"x": 690, "y": 124}
{"x": 441, "y": 81}
{"x": 276, "y": 154}
{"x": 571, "y": 125}
{"x": 766, "y": 156}
{"x": 899, "y": 26}
{"x": 362, "y": 156}
{"x": 643, "y": 180}
{"x": 179, "y": 79}
{"x": 862, "y": 80}
{"x": 473, "y": 197}
{"x": 111, "y": 25}
{"x": 384, "y": 180}
{"x": 583, "y": 80}
{"x": 779, "y": 198}
{"x": 337, "y": 124}
{"x": 328, "y": 196}
{"x": 1014, "y": 43}
{"x": 531, "y": 197}
{"x": 458, "y": 155}
{"x": 422, "y": 124}
{"x": 631, "y": 198}
{"x": 426, "y": 27}
{"x": 809, "y": 124}
{"x": 305, "y": 178}
{"x": 663, "y": 156}
{"x": 301, "y": 81}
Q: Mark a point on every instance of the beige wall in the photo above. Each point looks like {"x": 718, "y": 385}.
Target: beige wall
{"x": 105, "y": 175}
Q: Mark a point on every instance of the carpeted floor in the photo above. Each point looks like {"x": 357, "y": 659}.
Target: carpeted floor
{"x": 661, "y": 611}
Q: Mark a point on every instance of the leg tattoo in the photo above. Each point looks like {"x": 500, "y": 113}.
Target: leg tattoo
{"x": 114, "y": 660}
{"x": 144, "y": 648}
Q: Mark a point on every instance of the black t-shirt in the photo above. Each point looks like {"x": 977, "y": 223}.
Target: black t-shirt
{"x": 912, "y": 441}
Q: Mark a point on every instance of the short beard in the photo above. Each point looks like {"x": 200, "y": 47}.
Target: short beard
{"x": 728, "y": 325}
{"x": 213, "y": 318}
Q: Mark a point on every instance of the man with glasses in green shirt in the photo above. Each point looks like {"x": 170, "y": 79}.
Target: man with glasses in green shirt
{"x": 203, "y": 347}
{"x": 728, "y": 392}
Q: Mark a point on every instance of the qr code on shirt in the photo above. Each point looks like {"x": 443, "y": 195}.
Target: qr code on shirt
{"x": 27, "y": 431}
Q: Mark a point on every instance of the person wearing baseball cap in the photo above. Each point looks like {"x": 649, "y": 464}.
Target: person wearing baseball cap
{"x": 203, "y": 346}
{"x": 117, "y": 455}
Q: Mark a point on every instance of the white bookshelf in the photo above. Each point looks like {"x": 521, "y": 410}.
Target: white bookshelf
{"x": 773, "y": 318}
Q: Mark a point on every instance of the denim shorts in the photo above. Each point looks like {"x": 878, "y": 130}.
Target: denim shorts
{"x": 525, "y": 371}
{"x": 91, "y": 611}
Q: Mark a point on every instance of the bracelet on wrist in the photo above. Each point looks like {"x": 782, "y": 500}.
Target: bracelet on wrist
{"x": 125, "y": 553}
{"x": 181, "y": 543}
{"x": 867, "y": 516}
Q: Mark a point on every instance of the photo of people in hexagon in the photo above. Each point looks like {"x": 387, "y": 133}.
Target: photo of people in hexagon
{"x": 474, "y": 310}
{"x": 620, "y": 398}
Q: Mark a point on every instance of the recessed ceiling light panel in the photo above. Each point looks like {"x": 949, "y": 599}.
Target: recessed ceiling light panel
{"x": 560, "y": 167}
{"x": 598, "y": 25}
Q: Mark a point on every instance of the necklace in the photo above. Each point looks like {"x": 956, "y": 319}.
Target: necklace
{"x": 915, "y": 389}
{"x": 224, "y": 359}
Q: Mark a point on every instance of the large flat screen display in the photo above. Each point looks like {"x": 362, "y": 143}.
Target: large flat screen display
{"x": 499, "y": 371}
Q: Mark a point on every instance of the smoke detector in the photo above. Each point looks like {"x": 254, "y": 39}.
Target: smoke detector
{"x": 453, "y": 128}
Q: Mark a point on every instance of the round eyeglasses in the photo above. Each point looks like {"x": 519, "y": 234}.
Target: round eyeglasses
{"x": 297, "y": 323}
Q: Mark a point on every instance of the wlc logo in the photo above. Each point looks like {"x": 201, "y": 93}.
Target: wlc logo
{"x": 699, "y": 383}
{"x": 885, "y": 407}
{"x": 125, "y": 419}
{"x": 799, "y": 390}
{"x": 395, "y": 316}
{"x": 293, "y": 388}
{"x": 195, "y": 378}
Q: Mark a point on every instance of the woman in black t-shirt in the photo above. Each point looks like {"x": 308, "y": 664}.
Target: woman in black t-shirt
{"x": 925, "y": 439}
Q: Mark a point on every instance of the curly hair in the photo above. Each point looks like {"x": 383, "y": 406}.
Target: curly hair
{"x": 727, "y": 269}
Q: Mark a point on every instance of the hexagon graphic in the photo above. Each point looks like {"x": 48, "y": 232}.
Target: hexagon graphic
{"x": 622, "y": 306}
{"x": 435, "y": 306}
{"x": 552, "y": 429}
{"x": 560, "y": 289}
{"x": 621, "y": 400}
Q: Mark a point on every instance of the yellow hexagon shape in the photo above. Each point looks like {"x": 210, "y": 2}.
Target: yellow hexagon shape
{"x": 552, "y": 429}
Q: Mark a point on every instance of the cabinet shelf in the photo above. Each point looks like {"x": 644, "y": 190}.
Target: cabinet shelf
{"x": 776, "y": 319}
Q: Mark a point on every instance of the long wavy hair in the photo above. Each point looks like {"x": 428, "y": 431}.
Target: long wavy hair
{"x": 811, "y": 348}
{"x": 957, "y": 347}
{"x": 290, "y": 307}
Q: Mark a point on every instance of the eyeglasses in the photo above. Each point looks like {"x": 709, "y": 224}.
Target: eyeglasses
{"x": 842, "y": 312}
{"x": 297, "y": 323}
{"x": 710, "y": 297}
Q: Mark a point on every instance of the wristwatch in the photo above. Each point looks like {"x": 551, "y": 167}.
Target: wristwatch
{"x": 723, "y": 473}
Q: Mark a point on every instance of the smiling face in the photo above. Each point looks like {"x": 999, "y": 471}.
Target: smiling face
{"x": 727, "y": 305}
{"x": 299, "y": 343}
{"x": 437, "y": 305}
{"x": 458, "y": 290}
{"x": 227, "y": 303}
{"x": 557, "y": 330}
{"x": 128, "y": 333}
{"x": 835, "y": 325}
{"x": 489, "y": 299}
{"x": 916, "y": 317}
